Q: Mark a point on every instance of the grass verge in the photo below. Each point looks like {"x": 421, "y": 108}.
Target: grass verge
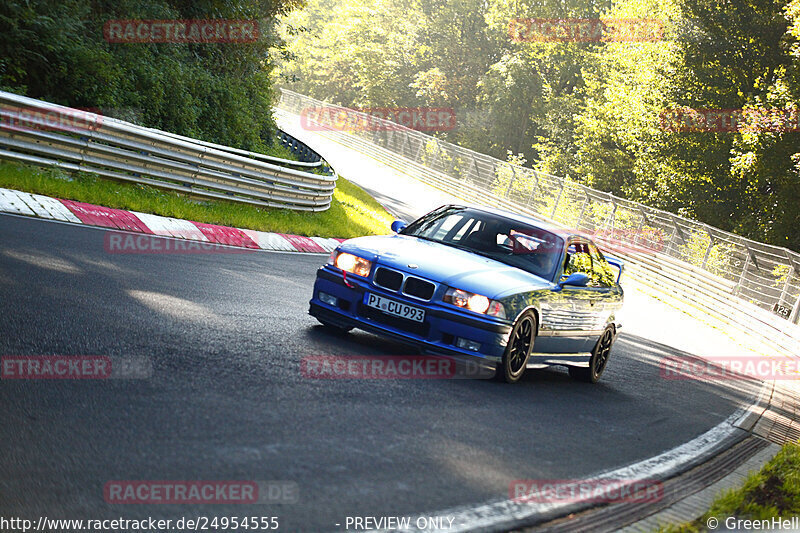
{"x": 772, "y": 492}
{"x": 353, "y": 212}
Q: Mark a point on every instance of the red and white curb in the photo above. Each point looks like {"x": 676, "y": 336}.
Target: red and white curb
{"x": 36, "y": 205}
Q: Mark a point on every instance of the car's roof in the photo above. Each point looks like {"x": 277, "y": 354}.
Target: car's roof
{"x": 539, "y": 223}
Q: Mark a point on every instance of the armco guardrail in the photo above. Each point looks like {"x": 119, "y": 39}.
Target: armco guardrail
{"x": 742, "y": 282}
{"x": 311, "y": 160}
{"x": 299, "y": 148}
{"x": 47, "y": 134}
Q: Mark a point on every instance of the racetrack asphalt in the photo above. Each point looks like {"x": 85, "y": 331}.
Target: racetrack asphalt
{"x": 225, "y": 334}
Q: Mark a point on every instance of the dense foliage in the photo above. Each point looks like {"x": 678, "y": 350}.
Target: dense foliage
{"x": 55, "y": 50}
{"x": 590, "y": 110}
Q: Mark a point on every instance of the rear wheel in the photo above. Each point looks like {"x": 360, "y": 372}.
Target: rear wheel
{"x": 518, "y": 350}
{"x": 598, "y": 361}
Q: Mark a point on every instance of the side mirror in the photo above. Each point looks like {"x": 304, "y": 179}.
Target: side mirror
{"x": 398, "y": 225}
{"x": 577, "y": 279}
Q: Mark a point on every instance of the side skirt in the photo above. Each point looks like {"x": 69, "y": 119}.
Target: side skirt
{"x": 543, "y": 360}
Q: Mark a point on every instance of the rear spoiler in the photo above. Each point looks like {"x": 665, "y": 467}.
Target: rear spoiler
{"x": 618, "y": 263}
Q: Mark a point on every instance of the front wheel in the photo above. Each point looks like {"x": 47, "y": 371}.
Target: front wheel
{"x": 598, "y": 361}
{"x": 518, "y": 350}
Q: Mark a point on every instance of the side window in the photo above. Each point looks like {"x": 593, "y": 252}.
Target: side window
{"x": 578, "y": 260}
{"x": 603, "y": 273}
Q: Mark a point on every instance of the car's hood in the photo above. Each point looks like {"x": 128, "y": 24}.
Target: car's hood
{"x": 445, "y": 264}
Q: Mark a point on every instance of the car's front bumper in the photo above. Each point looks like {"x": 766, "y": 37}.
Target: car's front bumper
{"x": 438, "y": 334}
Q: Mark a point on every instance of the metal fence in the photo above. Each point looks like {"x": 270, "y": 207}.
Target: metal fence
{"x": 46, "y": 134}
{"x": 764, "y": 275}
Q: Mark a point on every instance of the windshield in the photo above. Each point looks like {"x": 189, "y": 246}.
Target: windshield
{"x": 511, "y": 242}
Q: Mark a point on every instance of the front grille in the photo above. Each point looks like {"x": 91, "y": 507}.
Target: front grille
{"x": 394, "y": 281}
{"x": 419, "y": 288}
{"x": 417, "y": 328}
{"x": 388, "y": 279}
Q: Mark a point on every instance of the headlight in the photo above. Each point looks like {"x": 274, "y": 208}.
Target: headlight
{"x": 474, "y": 302}
{"x": 353, "y": 264}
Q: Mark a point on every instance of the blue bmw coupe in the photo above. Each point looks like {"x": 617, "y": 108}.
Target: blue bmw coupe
{"x": 516, "y": 292}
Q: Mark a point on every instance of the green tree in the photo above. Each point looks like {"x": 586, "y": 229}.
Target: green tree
{"x": 55, "y": 50}
{"x": 619, "y": 129}
{"x": 592, "y": 110}
{"x": 738, "y": 55}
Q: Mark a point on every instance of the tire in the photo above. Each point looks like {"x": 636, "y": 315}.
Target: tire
{"x": 598, "y": 361}
{"x": 334, "y": 328}
{"x": 518, "y": 351}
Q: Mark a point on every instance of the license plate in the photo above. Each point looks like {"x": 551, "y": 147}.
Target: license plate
{"x": 392, "y": 307}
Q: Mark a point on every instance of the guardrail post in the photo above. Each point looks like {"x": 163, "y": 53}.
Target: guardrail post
{"x": 530, "y": 198}
{"x": 451, "y": 163}
{"x": 583, "y": 209}
{"x": 438, "y": 155}
{"x": 389, "y": 137}
{"x": 641, "y": 221}
{"x": 534, "y": 189}
{"x": 739, "y": 285}
{"x": 789, "y": 276}
{"x": 401, "y": 149}
{"x": 638, "y": 237}
{"x": 511, "y": 181}
{"x": 676, "y": 232}
{"x": 474, "y": 167}
{"x": 485, "y": 180}
{"x": 793, "y": 318}
{"x": 419, "y": 151}
{"x": 384, "y": 137}
{"x": 613, "y": 214}
{"x": 711, "y": 243}
{"x": 558, "y": 199}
